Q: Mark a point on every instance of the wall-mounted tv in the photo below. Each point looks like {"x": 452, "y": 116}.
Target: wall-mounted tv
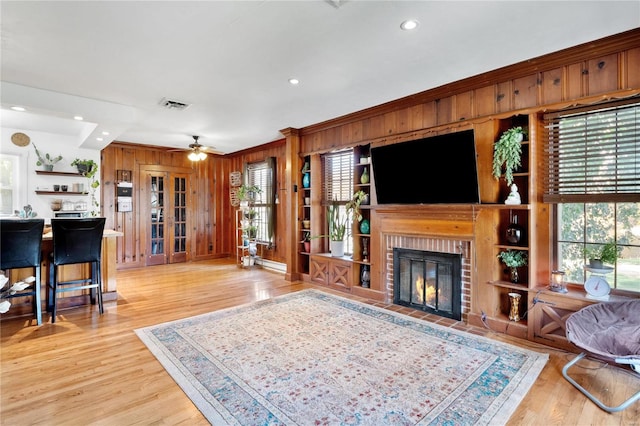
{"x": 436, "y": 170}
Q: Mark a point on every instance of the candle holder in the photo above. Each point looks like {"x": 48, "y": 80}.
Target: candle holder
{"x": 365, "y": 276}
{"x": 365, "y": 249}
{"x": 558, "y": 283}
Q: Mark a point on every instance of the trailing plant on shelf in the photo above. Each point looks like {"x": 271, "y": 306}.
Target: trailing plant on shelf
{"x": 86, "y": 168}
{"x": 507, "y": 153}
{"x": 354, "y": 204}
{"x": 607, "y": 253}
{"x": 46, "y": 160}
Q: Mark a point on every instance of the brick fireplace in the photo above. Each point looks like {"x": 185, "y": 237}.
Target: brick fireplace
{"x": 427, "y": 280}
{"x": 437, "y": 229}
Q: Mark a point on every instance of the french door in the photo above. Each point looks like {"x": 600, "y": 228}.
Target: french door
{"x": 167, "y": 236}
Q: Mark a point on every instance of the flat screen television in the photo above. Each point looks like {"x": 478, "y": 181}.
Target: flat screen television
{"x": 435, "y": 170}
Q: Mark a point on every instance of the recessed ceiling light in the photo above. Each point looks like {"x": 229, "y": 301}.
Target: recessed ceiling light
{"x": 99, "y": 139}
{"x": 105, "y": 133}
{"x": 409, "y": 24}
{"x": 18, "y": 108}
{"x": 78, "y": 117}
{"x": 294, "y": 81}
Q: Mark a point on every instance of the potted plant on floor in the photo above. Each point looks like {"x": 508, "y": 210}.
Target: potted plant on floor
{"x": 513, "y": 259}
{"x": 507, "y": 153}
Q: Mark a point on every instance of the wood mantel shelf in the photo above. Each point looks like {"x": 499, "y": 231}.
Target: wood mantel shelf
{"x": 450, "y": 220}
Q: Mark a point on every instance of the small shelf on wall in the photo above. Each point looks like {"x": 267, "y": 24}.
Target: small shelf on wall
{"x": 44, "y": 172}
{"x": 60, "y": 193}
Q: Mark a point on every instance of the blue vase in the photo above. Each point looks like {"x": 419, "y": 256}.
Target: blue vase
{"x": 306, "y": 180}
{"x": 364, "y": 226}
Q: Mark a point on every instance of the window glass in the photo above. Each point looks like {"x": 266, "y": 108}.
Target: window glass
{"x": 9, "y": 180}
{"x": 583, "y": 227}
{"x": 593, "y": 166}
{"x": 260, "y": 175}
{"x": 337, "y": 185}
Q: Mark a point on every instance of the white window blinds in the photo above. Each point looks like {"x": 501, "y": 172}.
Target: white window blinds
{"x": 337, "y": 176}
{"x": 594, "y": 155}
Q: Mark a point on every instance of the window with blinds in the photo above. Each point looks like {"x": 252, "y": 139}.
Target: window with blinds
{"x": 337, "y": 183}
{"x": 337, "y": 177}
{"x": 594, "y": 154}
{"x": 261, "y": 175}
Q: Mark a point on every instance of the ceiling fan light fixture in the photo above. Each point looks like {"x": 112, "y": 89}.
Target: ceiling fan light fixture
{"x": 193, "y": 156}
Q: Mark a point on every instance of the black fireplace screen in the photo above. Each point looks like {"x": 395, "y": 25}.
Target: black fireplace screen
{"x": 430, "y": 281}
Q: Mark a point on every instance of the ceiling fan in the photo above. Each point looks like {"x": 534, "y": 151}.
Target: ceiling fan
{"x": 197, "y": 151}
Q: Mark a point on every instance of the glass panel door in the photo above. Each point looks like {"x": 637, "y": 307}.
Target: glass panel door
{"x": 179, "y": 244}
{"x": 157, "y": 247}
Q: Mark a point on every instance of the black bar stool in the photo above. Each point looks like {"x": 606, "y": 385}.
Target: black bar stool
{"x": 76, "y": 241}
{"x": 20, "y": 247}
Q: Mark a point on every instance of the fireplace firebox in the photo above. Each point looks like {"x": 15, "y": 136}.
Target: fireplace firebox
{"x": 429, "y": 281}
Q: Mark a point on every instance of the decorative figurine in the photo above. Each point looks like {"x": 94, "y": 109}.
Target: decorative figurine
{"x": 514, "y": 196}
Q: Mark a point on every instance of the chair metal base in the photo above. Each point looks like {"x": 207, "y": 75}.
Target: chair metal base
{"x": 595, "y": 400}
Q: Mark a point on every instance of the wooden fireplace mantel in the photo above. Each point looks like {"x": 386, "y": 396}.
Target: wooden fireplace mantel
{"x": 438, "y": 220}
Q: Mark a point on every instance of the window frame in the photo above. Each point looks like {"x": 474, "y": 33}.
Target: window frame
{"x": 343, "y": 175}
{"x": 19, "y": 185}
{"x": 264, "y": 201}
{"x": 617, "y": 189}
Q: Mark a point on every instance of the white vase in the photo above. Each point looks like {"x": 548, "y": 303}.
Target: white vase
{"x": 337, "y": 248}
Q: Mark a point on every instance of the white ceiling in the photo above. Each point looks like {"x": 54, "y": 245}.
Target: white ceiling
{"x": 114, "y": 61}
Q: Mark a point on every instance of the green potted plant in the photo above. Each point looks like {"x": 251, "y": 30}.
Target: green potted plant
{"x": 251, "y": 214}
{"x": 86, "y": 168}
{"x": 46, "y": 160}
{"x": 607, "y": 253}
{"x": 513, "y": 259}
{"x": 252, "y": 231}
{"x": 306, "y": 241}
{"x": 247, "y": 193}
{"x": 354, "y": 204}
{"x": 507, "y": 153}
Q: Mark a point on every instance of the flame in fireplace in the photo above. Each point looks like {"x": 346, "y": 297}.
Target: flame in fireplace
{"x": 429, "y": 293}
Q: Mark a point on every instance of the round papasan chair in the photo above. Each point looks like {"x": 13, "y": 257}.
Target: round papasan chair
{"x": 609, "y": 331}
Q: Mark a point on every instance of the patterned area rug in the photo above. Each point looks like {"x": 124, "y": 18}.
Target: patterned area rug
{"x": 310, "y": 358}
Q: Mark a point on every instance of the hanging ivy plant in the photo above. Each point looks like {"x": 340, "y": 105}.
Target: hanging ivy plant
{"x": 507, "y": 153}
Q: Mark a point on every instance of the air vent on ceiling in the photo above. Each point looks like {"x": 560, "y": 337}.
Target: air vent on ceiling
{"x": 173, "y": 104}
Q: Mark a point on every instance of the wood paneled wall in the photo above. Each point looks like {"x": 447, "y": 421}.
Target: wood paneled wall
{"x": 274, "y": 149}
{"x": 211, "y": 223}
{"x": 587, "y": 73}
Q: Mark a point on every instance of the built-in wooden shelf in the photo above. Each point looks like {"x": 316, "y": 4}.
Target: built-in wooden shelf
{"x": 510, "y": 285}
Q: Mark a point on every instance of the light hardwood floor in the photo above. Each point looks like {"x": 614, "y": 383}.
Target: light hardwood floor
{"x": 92, "y": 369}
